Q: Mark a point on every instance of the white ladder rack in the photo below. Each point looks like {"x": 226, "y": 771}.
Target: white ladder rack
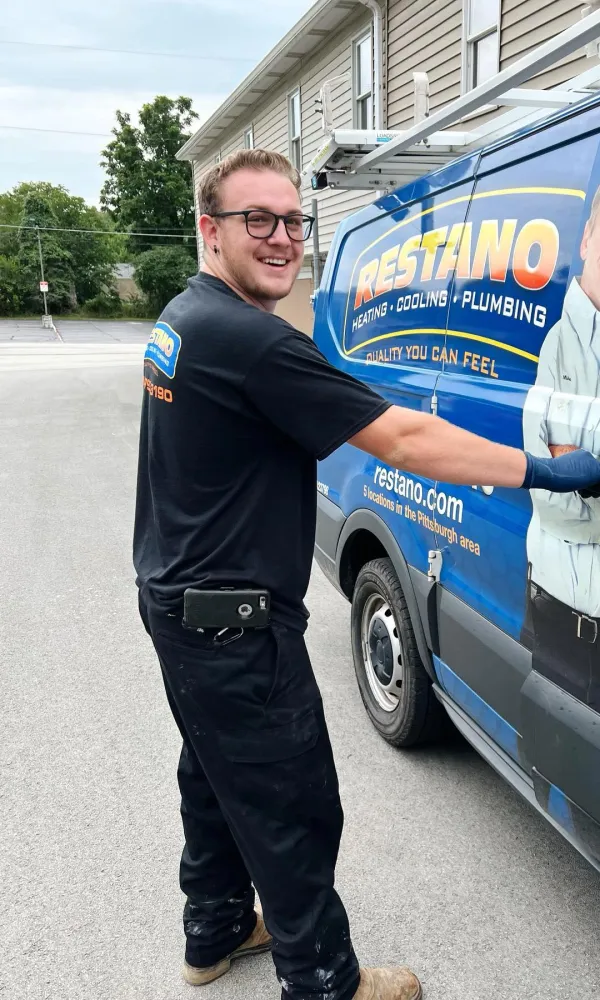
{"x": 384, "y": 160}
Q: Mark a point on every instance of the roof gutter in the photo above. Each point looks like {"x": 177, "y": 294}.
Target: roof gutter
{"x": 377, "y": 9}
{"x": 284, "y": 44}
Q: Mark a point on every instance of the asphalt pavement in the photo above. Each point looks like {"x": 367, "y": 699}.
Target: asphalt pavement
{"x": 75, "y": 331}
{"x": 441, "y": 866}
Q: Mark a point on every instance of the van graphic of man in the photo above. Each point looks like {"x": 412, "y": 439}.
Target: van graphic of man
{"x": 563, "y": 540}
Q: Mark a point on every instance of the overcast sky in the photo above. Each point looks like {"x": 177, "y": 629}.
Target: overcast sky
{"x": 79, "y": 90}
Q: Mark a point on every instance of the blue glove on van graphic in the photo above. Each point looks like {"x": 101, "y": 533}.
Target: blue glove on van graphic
{"x": 576, "y": 472}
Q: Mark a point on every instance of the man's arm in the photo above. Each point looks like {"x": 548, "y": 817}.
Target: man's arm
{"x": 548, "y": 376}
{"x": 567, "y": 516}
{"x": 321, "y": 408}
{"x": 429, "y": 446}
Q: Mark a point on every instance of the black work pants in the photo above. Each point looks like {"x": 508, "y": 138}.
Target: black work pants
{"x": 259, "y": 801}
{"x": 566, "y": 646}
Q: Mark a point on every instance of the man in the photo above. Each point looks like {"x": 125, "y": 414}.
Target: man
{"x": 563, "y": 540}
{"x": 238, "y": 407}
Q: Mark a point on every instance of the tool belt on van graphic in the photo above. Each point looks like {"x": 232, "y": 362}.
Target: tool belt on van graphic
{"x": 579, "y": 626}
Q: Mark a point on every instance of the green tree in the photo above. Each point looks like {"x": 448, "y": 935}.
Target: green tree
{"x": 163, "y": 273}
{"x": 77, "y": 265}
{"x": 11, "y": 209}
{"x": 38, "y": 217}
{"x": 11, "y": 298}
{"x": 147, "y": 189}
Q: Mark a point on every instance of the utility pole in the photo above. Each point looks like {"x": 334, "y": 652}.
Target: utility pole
{"x": 37, "y": 229}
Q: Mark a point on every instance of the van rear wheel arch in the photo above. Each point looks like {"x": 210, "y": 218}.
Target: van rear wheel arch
{"x": 360, "y": 548}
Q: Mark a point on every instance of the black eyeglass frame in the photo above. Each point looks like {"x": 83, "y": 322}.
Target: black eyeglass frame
{"x": 309, "y": 219}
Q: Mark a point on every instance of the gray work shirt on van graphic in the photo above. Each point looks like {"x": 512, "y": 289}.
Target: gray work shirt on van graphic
{"x": 563, "y": 541}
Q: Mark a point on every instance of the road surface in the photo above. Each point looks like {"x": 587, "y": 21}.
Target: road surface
{"x": 89, "y": 331}
{"x": 442, "y": 865}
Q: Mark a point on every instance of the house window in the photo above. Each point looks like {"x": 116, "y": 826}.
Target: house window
{"x": 482, "y": 41}
{"x": 218, "y": 157}
{"x": 363, "y": 82}
{"x": 295, "y": 126}
{"x": 249, "y": 138}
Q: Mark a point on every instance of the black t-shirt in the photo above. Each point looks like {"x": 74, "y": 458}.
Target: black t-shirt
{"x": 238, "y": 406}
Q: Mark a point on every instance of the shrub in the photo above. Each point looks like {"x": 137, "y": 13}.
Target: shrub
{"x": 106, "y": 303}
{"x": 163, "y": 273}
{"x": 137, "y": 308}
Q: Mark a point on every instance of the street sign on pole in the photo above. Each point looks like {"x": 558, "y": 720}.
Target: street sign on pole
{"x": 43, "y": 282}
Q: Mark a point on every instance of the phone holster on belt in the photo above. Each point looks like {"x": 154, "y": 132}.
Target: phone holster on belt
{"x": 226, "y": 608}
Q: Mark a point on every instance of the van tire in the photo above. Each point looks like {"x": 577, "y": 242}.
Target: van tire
{"x": 394, "y": 685}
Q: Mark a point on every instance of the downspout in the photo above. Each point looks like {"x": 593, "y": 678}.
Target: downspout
{"x": 377, "y": 7}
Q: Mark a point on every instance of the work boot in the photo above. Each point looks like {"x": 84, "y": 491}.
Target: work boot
{"x": 260, "y": 940}
{"x": 388, "y": 984}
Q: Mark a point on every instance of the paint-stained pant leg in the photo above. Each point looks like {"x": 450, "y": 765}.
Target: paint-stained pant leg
{"x": 254, "y": 718}
{"x": 219, "y": 912}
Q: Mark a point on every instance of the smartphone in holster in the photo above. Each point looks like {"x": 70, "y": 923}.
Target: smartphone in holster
{"x": 226, "y": 608}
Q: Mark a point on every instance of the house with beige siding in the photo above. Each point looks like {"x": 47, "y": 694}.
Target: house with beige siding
{"x": 350, "y": 64}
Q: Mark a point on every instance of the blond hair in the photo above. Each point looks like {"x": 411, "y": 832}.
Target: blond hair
{"x": 253, "y": 159}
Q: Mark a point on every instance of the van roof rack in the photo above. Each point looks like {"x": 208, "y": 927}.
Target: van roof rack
{"x": 384, "y": 160}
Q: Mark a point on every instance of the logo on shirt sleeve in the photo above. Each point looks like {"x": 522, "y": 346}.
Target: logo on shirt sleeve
{"x": 163, "y": 348}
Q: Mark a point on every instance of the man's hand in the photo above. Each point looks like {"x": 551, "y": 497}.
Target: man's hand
{"x": 574, "y": 472}
{"x": 556, "y": 450}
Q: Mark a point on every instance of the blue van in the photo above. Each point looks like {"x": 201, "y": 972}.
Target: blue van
{"x": 474, "y": 293}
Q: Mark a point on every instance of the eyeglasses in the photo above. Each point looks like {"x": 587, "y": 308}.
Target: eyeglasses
{"x": 261, "y": 225}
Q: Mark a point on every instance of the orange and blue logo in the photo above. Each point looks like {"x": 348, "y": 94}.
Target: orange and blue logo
{"x": 474, "y": 293}
{"x": 163, "y": 349}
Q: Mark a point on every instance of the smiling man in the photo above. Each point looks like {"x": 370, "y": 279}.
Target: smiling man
{"x": 264, "y": 267}
{"x": 238, "y": 407}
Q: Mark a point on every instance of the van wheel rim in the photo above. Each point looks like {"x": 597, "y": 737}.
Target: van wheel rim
{"x": 382, "y": 652}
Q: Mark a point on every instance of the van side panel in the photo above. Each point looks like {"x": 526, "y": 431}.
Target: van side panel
{"x": 476, "y": 292}
{"x": 487, "y": 659}
{"x": 379, "y": 318}
{"x": 563, "y": 742}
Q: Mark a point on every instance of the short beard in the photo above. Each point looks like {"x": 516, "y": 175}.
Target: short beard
{"x": 253, "y": 291}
